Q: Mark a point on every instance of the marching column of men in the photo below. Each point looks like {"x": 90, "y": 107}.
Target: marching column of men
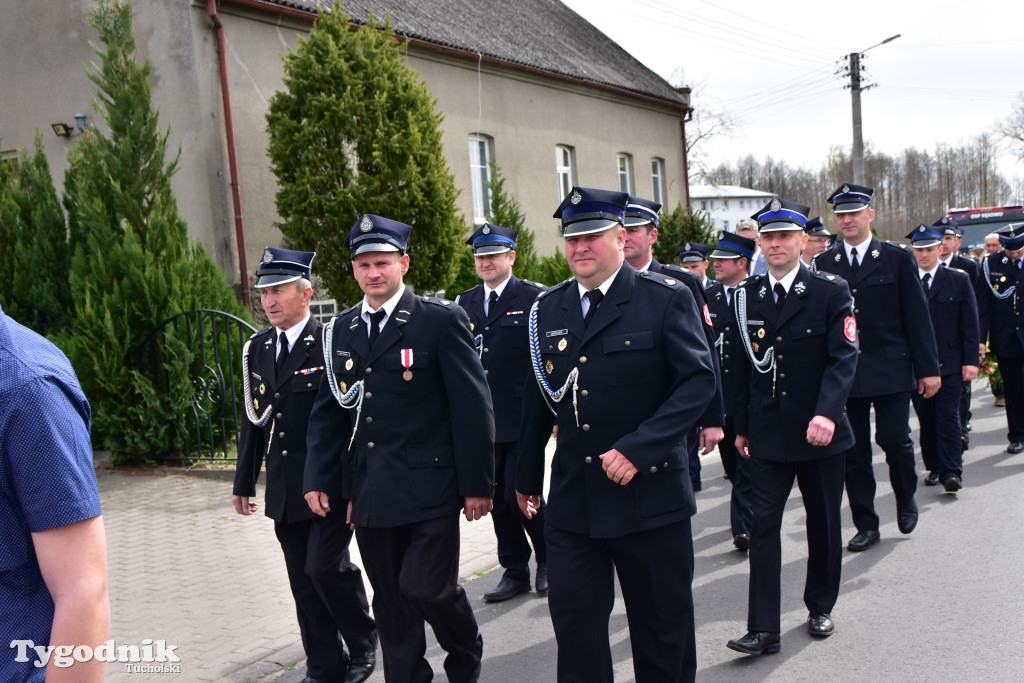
{"x": 424, "y": 407}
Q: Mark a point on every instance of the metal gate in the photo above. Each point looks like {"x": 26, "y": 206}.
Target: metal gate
{"x": 211, "y": 343}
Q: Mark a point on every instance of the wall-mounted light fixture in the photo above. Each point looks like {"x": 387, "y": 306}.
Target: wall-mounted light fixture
{"x": 66, "y": 130}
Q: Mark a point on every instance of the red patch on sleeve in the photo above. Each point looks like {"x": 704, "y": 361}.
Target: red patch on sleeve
{"x": 850, "y": 329}
{"x": 707, "y": 316}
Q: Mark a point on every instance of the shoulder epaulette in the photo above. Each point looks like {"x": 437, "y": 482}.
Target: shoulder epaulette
{"x": 534, "y": 284}
{"x": 662, "y": 279}
{"x": 901, "y": 245}
{"x": 825, "y": 276}
{"x": 554, "y": 288}
{"x": 751, "y": 280}
{"x": 438, "y": 301}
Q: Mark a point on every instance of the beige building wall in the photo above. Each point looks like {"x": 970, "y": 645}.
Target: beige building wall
{"x": 525, "y": 114}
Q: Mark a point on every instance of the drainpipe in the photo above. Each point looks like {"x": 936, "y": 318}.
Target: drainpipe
{"x": 229, "y": 132}
{"x": 685, "y": 92}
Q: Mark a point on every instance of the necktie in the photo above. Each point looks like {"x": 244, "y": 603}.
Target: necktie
{"x": 854, "y": 261}
{"x": 282, "y": 355}
{"x": 1016, "y": 263}
{"x": 594, "y": 296}
{"x": 375, "y": 319}
{"x": 943, "y": 264}
{"x": 728, "y": 296}
{"x": 491, "y": 300}
{"x": 926, "y": 281}
{"x": 780, "y": 295}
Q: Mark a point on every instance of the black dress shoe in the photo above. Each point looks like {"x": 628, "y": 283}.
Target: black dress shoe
{"x": 820, "y": 624}
{"x": 953, "y": 484}
{"x": 964, "y": 444}
{"x": 741, "y": 541}
{"x": 541, "y": 583}
{"x": 756, "y": 643}
{"x": 696, "y": 485}
{"x": 1015, "y": 447}
{"x": 906, "y": 520}
{"x": 360, "y": 668}
{"x": 932, "y": 479}
{"x": 862, "y": 541}
{"x": 507, "y": 588}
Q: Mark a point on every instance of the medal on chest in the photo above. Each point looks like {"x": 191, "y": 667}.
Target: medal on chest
{"x": 407, "y": 363}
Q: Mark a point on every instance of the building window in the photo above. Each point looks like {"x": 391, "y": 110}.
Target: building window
{"x": 563, "y": 169}
{"x": 725, "y": 204}
{"x": 324, "y": 309}
{"x": 12, "y": 157}
{"x": 725, "y": 225}
{"x": 703, "y": 205}
{"x": 625, "y": 171}
{"x": 657, "y": 180}
{"x": 480, "y": 175}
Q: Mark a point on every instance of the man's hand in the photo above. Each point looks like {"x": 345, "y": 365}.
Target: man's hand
{"x": 929, "y": 386}
{"x": 743, "y": 445}
{"x": 618, "y": 467}
{"x": 477, "y": 507}
{"x": 969, "y": 372}
{"x": 709, "y": 438}
{"x": 529, "y": 505}
{"x": 319, "y": 502}
{"x": 243, "y": 506}
{"x": 820, "y": 430}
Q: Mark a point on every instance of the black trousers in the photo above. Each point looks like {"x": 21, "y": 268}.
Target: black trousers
{"x": 511, "y": 527}
{"x": 737, "y": 471}
{"x": 821, "y": 487}
{"x": 414, "y": 571}
{"x": 1011, "y": 369}
{"x": 655, "y": 570}
{"x": 892, "y": 433}
{"x": 965, "y": 411}
{"x": 940, "y": 428}
{"x": 329, "y": 594}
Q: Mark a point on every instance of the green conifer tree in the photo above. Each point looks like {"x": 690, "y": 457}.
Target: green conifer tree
{"x": 677, "y": 228}
{"x": 355, "y": 131}
{"x": 133, "y": 265}
{"x": 34, "y": 260}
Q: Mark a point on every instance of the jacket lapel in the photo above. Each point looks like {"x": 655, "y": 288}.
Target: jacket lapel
{"x": 794, "y": 298}
{"x": 618, "y": 295}
{"x": 391, "y": 333}
{"x": 505, "y": 300}
{"x": 869, "y": 260}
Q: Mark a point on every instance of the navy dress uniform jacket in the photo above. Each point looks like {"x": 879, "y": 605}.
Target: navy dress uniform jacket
{"x": 954, "y": 313}
{"x": 1001, "y": 321}
{"x": 645, "y": 378}
{"x": 714, "y": 414}
{"x": 506, "y": 348}
{"x": 292, "y": 395}
{"x": 727, "y": 343}
{"x": 816, "y": 358}
{"x": 422, "y": 443}
{"x": 897, "y": 343}
{"x": 968, "y": 265}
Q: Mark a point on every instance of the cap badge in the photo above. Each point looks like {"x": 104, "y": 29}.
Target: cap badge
{"x": 267, "y": 256}
{"x": 576, "y": 197}
{"x": 846, "y": 188}
{"x": 945, "y": 220}
{"x": 366, "y": 225}
{"x": 920, "y": 228}
{"x": 486, "y": 230}
{"x": 776, "y": 204}
{"x": 686, "y": 247}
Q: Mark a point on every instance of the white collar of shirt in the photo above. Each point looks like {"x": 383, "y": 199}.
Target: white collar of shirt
{"x": 921, "y": 273}
{"x": 293, "y": 332}
{"x": 499, "y": 289}
{"x": 787, "y": 279}
{"x": 389, "y": 306}
{"x": 604, "y": 286}
{"x": 861, "y": 248}
{"x": 647, "y": 266}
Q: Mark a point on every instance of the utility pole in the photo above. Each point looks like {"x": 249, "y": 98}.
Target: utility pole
{"x": 856, "y": 86}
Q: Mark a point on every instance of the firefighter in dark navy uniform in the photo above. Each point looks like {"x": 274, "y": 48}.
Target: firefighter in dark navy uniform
{"x": 641, "y": 234}
{"x": 283, "y": 366}
{"x": 498, "y": 309}
{"x": 403, "y": 428}
{"x": 731, "y": 256}
{"x": 954, "y": 312}
{"x": 897, "y": 356}
{"x": 1001, "y": 323}
{"x": 625, "y": 375}
{"x": 798, "y": 332}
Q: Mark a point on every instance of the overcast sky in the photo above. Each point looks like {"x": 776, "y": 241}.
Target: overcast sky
{"x": 954, "y": 73}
